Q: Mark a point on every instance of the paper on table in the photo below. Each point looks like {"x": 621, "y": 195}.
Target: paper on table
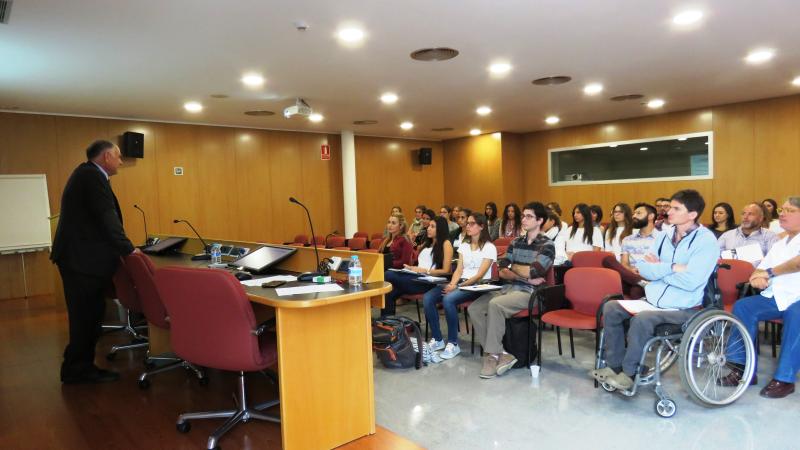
{"x": 636, "y": 306}
{"x": 310, "y": 289}
{"x": 431, "y": 279}
{"x": 751, "y": 253}
{"x": 405, "y": 271}
{"x": 257, "y": 282}
{"x": 481, "y": 287}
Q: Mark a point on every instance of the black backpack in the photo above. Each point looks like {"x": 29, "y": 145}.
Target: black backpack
{"x": 391, "y": 340}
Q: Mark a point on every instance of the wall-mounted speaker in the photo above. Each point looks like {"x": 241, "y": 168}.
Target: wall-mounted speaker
{"x": 132, "y": 145}
{"x": 425, "y": 156}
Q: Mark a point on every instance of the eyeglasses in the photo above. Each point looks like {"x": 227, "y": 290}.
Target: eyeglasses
{"x": 528, "y": 216}
{"x": 469, "y": 224}
{"x": 788, "y": 210}
{"x": 618, "y": 212}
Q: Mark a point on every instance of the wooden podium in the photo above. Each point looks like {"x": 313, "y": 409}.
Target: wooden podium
{"x": 324, "y": 349}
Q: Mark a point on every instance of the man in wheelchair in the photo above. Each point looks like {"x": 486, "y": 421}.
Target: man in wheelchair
{"x": 778, "y": 276}
{"x": 677, "y": 270}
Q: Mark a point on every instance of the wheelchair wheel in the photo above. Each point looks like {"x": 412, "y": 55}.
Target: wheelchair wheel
{"x": 703, "y": 359}
{"x": 669, "y": 354}
{"x": 666, "y": 407}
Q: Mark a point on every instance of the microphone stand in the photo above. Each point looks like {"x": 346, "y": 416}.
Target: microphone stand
{"x": 308, "y": 276}
{"x": 144, "y": 218}
{"x": 205, "y": 256}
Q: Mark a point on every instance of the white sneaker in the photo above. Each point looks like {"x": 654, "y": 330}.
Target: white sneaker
{"x": 450, "y": 351}
{"x": 436, "y": 345}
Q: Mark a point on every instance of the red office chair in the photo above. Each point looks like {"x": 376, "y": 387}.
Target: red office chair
{"x": 589, "y": 259}
{"x": 730, "y": 280}
{"x": 142, "y": 271}
{"x": 300, "y": 239}
{"x": 358, "y": 243}
{"x": 584, "y": 290}
{"x": 361, "y": 234}
{"x": 320, "y": 240}
{"x": 375, "y": 243}
{"x": 335, "y": 241}
{"x": 502, "y": 241}
{"x": 129, "y": 298}
{"x": 501, "y": 250}
{"x": 376, "y": 236}
{"x": 213, "y": 325}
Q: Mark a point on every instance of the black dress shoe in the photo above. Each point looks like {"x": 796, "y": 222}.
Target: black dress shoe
{"x": 91, "y": 377}
{"x": 777, "y": 389}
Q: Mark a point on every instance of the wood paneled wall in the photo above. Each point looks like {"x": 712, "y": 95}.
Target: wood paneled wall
{"x": 387, "y": 174}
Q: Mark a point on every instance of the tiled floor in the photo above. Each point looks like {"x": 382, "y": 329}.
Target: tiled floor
{"x": 447, "y": 406}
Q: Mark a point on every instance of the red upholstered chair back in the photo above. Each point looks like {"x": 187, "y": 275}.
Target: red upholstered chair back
{"x": 142, "y": 269}
{"x": 376, "y": 236}
{"x": 320, "y": 240}
{"x": 550, "y": 277}
{"x": 502, "y": 241}
{"x": 589, "y": 259}
{"x": 361, "y": 234}
{"x": 300, "y": 239}
{"x": 727, "y": 279}
{"x": 125, "y": 289}
{"x": 358, "y": 243}
{"x": 211, "y": 319}
{"x": 375, "y": 243}
{"x": 501, "y": 250}
{"x": 335, "y": 241}
{"x": 585, "y": 287}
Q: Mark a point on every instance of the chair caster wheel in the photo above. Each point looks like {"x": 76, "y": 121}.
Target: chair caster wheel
{"x": 183, "y": 427}
{"x": 666, "y": 408}
{"x": 149, "y": 365}
{"x": 144, "y": 384}
{"x": 111, "y": 356}
{"x": 203, "y": 381}
{"x": 607, "y": 387}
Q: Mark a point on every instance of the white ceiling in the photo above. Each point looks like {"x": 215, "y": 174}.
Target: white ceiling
{"x": 143, "y": 59}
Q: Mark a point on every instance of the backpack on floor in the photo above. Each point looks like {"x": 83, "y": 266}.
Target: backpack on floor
{"x": 514, "y": 341}
{"x": 392, "y": 340}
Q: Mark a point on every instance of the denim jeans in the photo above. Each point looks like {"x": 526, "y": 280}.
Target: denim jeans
{"x": 754, "y": 309}
{"x": 450, "y": 303}
{"x": 402, "y": 284}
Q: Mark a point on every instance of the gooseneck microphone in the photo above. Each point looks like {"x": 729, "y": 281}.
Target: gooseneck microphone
{"x": 308, "y": 275}
{"x": 144, "y": 218}
{"x": 205, "y": 256}
{"x": 332, "y": 233}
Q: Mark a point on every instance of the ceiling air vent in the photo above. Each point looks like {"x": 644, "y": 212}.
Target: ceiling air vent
{"x": 626, "y": 97}
{"x": 5, "y": 10}
{"x": 259, "y": 112}
{"x": 434, "y": 54}
{"x": 552, "y": 81}
{"x": 442, "y": 129}
{"x": 365, "y": 122}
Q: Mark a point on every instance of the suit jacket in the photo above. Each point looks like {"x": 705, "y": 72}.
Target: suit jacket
{"x": 89, "y": 237}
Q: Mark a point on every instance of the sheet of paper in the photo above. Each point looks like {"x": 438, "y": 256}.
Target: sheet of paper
{"x": 751, "y": 253}
{"x": 258, "y": 281}
{"x": 636, "y": 306}
{"x": 481, "y": 287}
{"x": 431, "y": 279}
{"x": 404, "y": 271}
{"x": 309, "y": 289}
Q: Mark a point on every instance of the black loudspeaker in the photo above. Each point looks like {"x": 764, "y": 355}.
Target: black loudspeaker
{"x": 425, "y": 156}
{"x": 132, "y": 145}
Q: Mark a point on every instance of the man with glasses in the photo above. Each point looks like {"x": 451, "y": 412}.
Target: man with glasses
{"x": 523, "y": 268}
{"x": 662, "y": 209}
{"x": 778, "y": 275}
{"x": 749, "y": 232}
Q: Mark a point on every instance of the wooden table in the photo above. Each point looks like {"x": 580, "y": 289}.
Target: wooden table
{"x": 324, "y": 351}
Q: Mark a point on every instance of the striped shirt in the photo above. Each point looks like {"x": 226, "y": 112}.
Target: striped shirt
{"x": 539, "y": 255}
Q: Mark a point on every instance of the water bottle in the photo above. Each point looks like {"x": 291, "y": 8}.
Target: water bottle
{"x": 355, "y": 272}
{"x": 216, "y": 254}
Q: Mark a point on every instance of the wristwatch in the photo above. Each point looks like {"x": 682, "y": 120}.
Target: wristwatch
{"x": 770, "y": 273}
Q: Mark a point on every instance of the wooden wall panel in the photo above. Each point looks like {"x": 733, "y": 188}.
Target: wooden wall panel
{"x": 777, "y": 148}
{"x": 474, "y": 171}
{"x": 514, "y": 170}
{"x": 387, "y": 174}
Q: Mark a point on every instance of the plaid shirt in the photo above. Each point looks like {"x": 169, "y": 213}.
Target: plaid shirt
{"x": 539, "y": 255}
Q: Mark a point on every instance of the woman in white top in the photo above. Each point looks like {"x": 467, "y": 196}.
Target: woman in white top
{"x": 555, "y": 232}
{"x": 475, "y": 257}
{"x": 434, "y": 260}
{"x": 582, "y": 235}
{"x": 621, "y": 226}
{"x": 771, "y": 216}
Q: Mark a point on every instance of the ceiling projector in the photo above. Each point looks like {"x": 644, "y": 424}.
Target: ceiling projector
{"x": 300, "y": 108}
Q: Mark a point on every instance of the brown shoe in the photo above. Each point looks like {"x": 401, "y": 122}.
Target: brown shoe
{"x": 777, "y": 389}
{"x": 734, "y": 378}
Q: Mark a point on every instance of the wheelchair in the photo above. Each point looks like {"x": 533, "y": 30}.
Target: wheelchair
{"x": 699, "y": 345}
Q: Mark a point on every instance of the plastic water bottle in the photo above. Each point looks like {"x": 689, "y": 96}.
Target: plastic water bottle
{"x": 355, "y": 272}
{"x": 216, "y": 254}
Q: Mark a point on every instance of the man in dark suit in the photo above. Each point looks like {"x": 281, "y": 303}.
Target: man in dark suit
{"x": 88, "y": 244}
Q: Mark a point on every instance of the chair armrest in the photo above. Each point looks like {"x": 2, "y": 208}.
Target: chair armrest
{"x": 599, "y": 313}
{"x": 551, "y": 298}
{"x": 264, "y": 326}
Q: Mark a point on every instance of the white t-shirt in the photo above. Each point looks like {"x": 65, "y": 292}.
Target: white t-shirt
{"x": 775, "y": 226}
{"x": 473, "y": 259}
{"x": 576, "y": 242}
{"x": 425, "y": 259}
{"x": 614, "y": 245}
{"x": 784, "y": 288}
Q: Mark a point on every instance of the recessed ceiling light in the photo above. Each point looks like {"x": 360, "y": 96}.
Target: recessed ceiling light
{"x": 796, "y": 81}
{"x": 644, "y": 149}
{"x": 474, "y": 132}
{"x": 253, "y": 80}
{"x": 499, "y": 68}
{"x": 483, "y": 111}
{"x": 687, "y": 17}
{"x": 614, "y": 145}
{"x": 760, "y": 56}
{"x": 552, "y": 120}
{"x": 193, "y": 107}
{"x": 593, "y": 89}
{"x": 315, "y": 117}
{"x": 350, "y": 35}
{"x": 655, "y": 103}
{"x": 406, "y": 125}
{"x": 389, "y": 98}
{"x": 682, "y": 139}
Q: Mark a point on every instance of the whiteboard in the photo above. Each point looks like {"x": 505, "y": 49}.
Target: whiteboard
{"x": 24, "y": 213}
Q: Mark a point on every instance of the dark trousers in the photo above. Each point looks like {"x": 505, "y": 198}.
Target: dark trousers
{"x": 85, "y": 296}
{"x": 402, "y": 284}
{"x": 630, "y": 280}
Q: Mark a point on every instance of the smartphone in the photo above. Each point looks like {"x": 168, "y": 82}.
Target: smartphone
{"x": 273, "y": 284}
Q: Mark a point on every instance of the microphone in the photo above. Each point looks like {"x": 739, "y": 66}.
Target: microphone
{"x": 309, "y": 275}
{"x": 146, "y": 239}
{"x": 205, "y": 256}
{"x": 332, "y": 233}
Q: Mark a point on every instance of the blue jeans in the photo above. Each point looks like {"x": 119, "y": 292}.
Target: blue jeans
{"x": 402, "y": 284}
{"x": 757, "y": 308}
{"x": 450, "y": 302}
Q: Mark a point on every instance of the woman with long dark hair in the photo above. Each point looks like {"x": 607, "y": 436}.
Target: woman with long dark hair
{"x": 511, "y": 224}
{"x": 475, "y": 257}
{"x": 721, "y": 219}
{"x": 771, "y": 218}
{"x": 492, "y": 221}
{"x": 458, "y": 235}
{"x": 582, "y": 235}
{"x": 621, "y": 226}
{"x": 597, "y": 216}
{"x": 434, "y": 259}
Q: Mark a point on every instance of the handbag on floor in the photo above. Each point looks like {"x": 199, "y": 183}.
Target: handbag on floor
{"x": 515, "y": 341}
{"x": 392, "y": 339}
